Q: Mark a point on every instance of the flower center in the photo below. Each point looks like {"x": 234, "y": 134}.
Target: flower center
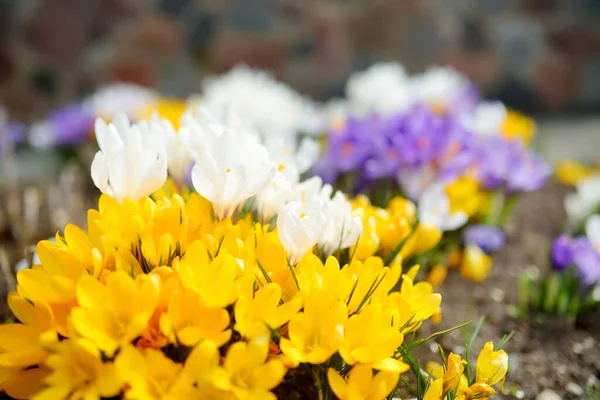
{"x": 347, "y": 148}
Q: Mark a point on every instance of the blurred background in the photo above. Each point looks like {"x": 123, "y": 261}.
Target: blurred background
{"x": 538, "y": 56}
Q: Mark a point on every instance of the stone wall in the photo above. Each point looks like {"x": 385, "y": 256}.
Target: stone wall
{"x": 536, "y": 55}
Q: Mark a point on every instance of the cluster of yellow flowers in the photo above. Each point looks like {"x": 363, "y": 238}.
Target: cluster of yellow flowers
{"x": 491, "y": 369}
{"x": 158, "y": 300}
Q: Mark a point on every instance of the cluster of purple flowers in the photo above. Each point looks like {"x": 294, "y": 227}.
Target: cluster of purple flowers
{"x": 421, "y": 146}
{"x": 579, "y": 252}
{"x": 66, "y": 126}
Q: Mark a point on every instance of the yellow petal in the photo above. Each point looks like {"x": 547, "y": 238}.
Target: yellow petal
{"x": 337, "y": 384}
{"x": 391, "y": 365}
{"x": 435, "y": 390}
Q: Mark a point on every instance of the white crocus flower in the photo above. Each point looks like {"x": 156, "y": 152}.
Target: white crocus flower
{"x": 311, "y": 190}
{"x": 178, "y": 155}
{"x": 232, "y": 170}
{"x": 274, "y": 197}
{"x": 414, "y": 182}
{"x": 336, "y": 113}
{"x": 438, "y": 86}
{"x": 269, "y": 106}
{"x": 584, "y": 201}
{"x": 487, "y": 119}
{"x": 132, "y": 161}
{"x": 126, "y": 98}
{"x": 592, "y": 230}
{"x": 382, "y": 89}
{"x": 290, "y": 165}
{"x": 198, "y": 132}
{"x": 343, "y": 229}
{"x": 434, "y": 209}
{"x": 300, "y": 227}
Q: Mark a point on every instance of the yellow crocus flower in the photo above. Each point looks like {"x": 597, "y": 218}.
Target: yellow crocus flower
{"x": 166, "y": 108}
{"x": 116, "y": 313}
{"x": 152, "y": 376}
{"x": 491, "y": 365}
{"x": 213, "y": 280}
{"x": 437, "y": 275}
{"x": 371, "y": 277}
{"x": 316, "y": 333}
{"x": 424, "y": 238}
{"x": 21, "y": 383}
{"x": 435, "y": 390}
{"x": 570, "y": 172}
{"x": 250, "y": 374}
{"x": 20, "y": 343}
{"x": 476, "y": 265}
{"x": 464, "y": 195}
{"x": 361, "y": 384}
{"x": 455, "y": 367}
{"x": 78, "y": 372}
{"x": 518, "y": 126}
{"x": 371, "y": 337}
{"x": 416, "y": 301}
{"x": 188, "y": 321}
{"x": 258, "y": 315}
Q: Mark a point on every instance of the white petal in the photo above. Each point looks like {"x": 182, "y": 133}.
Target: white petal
{"x": 592, "y": 228}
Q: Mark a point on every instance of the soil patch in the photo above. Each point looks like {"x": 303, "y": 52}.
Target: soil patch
{"x": 545, "y": 353}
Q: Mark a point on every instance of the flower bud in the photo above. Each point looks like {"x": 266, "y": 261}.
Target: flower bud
{"x": 491, "y": 365}
{"x": 454, "y": 370}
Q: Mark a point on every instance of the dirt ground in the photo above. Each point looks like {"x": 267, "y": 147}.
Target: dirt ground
{"x": 544, "y": 353}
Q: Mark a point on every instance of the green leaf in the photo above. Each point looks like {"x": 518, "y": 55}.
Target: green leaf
{"x": 419, "y": 342}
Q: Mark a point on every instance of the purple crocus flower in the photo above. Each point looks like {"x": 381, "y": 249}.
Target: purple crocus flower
{"x": 530, "y": 174}
{"x": 350, "y": 148}
{"x": 66, "y": 126}
{"x": 416, "y": 135}
{"x": 587, "y": 259}
{"x": 488, "y": 238}
{"x": 494, "y": 161}
{"x": 466, "y": 100}
{"x": 562, "y": 252}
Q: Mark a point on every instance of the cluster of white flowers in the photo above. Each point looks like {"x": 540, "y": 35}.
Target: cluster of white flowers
{"x": 270, "y": 107}
{"x": 385, "y": 89}
{"x": 232, "y": 165}
{"x": 114, "y": 99}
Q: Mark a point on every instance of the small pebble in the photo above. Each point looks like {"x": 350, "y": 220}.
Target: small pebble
{"x": 433, "y": 346}
{"x": 574, "y": 388}
{"x": 577, "y": 348}
{"x": 588, "y": 342}
{"x": 497, "y": 295}
{"x": 459, "y": 350}
{"x": 519, "y": 394}
{"x": 562, "y": 369}
{"x": 548, "y": 394}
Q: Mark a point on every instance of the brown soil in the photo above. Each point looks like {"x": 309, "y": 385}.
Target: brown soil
{"x": 544, "y": 353}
